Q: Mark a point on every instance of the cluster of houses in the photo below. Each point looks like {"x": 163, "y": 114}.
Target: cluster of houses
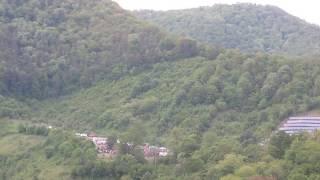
{"x": 155, "y": 151}
{"x": 295, "y": 125}
{"x": 101, "y": 143}
{"x": 103, "y": 147}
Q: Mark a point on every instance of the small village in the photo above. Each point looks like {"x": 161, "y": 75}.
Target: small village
{"x": 107, "y": 149}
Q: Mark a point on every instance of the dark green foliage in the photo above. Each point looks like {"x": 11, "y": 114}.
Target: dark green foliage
{"x": 49, "y": 152}
{"x": 22, "y": 128}
{"x": 247, "y": 27}
{"x": 143, "y": 85}
{"x": 12, "y": 108}
{"x": 52, "y": 49}
{"x": 279, "y": 144}
{"x": 33, "y": 130}
{"x": 122, "y": 166}
{"x": 112, "y": 140}
{"x": 94, "y": 170}
{"x": 187, "y": 48}
{"x": 190, "y": 166}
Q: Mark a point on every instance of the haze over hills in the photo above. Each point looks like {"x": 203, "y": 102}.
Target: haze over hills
{"x": 247, "y": 27}
{"x": 85, "y": 66}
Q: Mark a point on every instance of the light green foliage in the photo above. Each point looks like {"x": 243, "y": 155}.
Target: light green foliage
{"x": 227, "y": 166}
{"x": 245, "y": 171}
{"x": 40, "y": 157}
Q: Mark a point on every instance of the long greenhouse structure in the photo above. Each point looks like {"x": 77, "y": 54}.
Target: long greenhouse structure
{"x": 300, "y": 124}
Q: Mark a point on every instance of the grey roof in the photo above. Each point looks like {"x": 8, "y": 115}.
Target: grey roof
{"x": 305, "y": 118}
{"x": 303, "y": 121}
{"x": 301, "y": 125}
{"x": 296, "y": 131}
{"x": 298, "y": 128}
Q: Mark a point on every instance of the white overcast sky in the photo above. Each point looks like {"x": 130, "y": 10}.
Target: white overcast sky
{"x": 308, "y": 10}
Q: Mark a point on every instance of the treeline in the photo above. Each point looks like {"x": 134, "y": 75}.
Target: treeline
{"x": 123, "y": 167}
{"x": 52, "y": 48}
{"x": 247, "y": 27}
{"x": 33, "y": 130}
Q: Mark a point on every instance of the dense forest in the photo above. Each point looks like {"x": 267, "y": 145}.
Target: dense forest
{"x": 90, "y": 66}
{"x": 51, "y": 48}
{"x": 247, "y": 27}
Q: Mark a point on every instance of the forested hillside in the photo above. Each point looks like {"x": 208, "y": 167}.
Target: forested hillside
{"x": 51, "y": 48}
{"x": 90, "y": 66}
{"x": 247, "y": 27}
{"x": 195, "y": 93}
{"x": 210, "y": 112}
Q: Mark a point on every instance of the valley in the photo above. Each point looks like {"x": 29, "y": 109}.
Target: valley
{"x": 207, "y": 98}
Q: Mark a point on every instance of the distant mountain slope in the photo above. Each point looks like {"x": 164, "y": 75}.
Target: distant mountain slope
{"x": 245, "y": 26}
{"x": 50, "y": 48}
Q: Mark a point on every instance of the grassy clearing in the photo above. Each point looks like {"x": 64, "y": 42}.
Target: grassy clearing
{"x": 7, "y": 127}
{"x": 17, "y": 144}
